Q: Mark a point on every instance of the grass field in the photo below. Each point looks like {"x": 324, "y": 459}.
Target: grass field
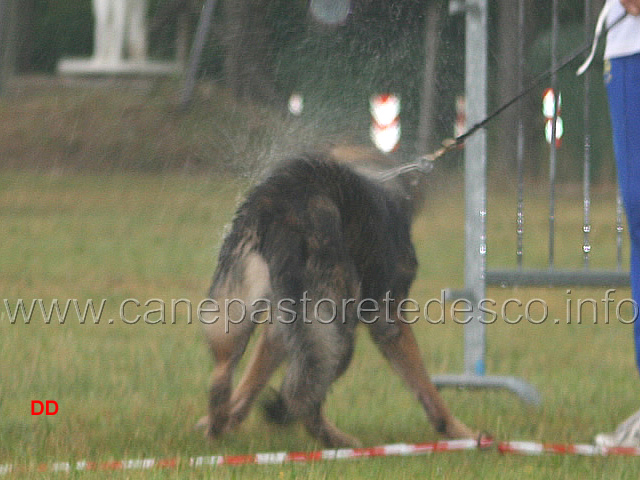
{"x": 131, "y": 391}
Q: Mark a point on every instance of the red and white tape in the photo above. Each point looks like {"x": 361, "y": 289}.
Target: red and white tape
{"x": 272, "y": 458}
{"x": 278, "y": 458}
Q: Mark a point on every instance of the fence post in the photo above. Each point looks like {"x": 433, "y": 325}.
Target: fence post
{"x": 475, "y": 193}
{"x": 475, "y": 160}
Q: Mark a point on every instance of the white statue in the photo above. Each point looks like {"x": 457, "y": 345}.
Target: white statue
{"x": 120, "y": 30}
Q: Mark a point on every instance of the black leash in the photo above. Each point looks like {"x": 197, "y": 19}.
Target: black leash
{"x": 534, "y": 84}
{"x": 424, "y": 163}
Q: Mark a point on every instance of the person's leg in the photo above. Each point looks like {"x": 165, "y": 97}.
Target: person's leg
{"x": 623, "y": 90}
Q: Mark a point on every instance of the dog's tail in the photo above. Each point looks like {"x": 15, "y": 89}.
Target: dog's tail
{"x": 319, "y": 342}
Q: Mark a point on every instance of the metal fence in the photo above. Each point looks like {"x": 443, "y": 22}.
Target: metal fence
{"x": 476, "y": 274}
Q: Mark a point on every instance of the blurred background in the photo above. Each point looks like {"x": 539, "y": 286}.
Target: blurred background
{"x": 260, "y": 52}
{"x": 112, "y": 188}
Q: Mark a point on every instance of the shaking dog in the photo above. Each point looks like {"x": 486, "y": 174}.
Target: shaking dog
{"x": 324, "y": 241}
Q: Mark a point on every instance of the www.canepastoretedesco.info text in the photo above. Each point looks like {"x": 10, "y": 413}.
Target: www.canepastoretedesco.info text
{"x": 230, "y": 311}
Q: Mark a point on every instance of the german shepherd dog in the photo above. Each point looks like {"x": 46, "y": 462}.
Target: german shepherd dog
{"x": 322, "y": 230}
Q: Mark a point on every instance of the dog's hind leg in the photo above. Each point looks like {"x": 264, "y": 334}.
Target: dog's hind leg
{"x": 314, "y": 366}
{"x": 265, "y": 359}
{"x": 320, "y": 349}
{"x": 399, "y": 346}
{"x": 229, "y": 334}
{"x": 227, "y": 349}
{"x": 315, "y": 272}
{"x": 321, "y": 428}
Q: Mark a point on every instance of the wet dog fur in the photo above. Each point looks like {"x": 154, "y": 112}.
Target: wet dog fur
{"x": 319, "y": 226}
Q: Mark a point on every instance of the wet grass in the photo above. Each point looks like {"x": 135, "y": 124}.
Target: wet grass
{"x": 136, "y": 125}
{"x": 135, "y": 390}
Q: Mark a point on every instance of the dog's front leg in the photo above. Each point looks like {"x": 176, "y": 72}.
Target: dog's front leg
{"x": 398, "y": 344}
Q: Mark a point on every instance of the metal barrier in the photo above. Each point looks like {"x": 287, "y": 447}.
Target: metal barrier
{"x": 477, "y": 276}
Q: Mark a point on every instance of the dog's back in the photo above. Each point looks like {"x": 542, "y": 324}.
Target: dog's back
{"x": 314, "y": 206}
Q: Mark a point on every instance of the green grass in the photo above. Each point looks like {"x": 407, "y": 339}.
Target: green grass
{"x": 136, "y": 126}
{"x": 131, "y": 391}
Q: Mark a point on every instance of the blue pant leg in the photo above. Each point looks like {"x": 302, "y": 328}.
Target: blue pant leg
{"x": 623, "y": 90}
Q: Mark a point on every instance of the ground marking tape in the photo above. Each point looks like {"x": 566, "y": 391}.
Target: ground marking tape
{"x": 279, "y": 458}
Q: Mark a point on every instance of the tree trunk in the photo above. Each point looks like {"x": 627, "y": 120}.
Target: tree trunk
{"x": 426, "y": 125}
{"x": 249, "y": 50}
{"x": 507, "y": 63}
{"x": 13, "y": 21}
{"x": 5, "y": 45}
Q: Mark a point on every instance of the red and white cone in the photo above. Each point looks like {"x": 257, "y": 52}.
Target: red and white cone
{"x": 385, "y": 124}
